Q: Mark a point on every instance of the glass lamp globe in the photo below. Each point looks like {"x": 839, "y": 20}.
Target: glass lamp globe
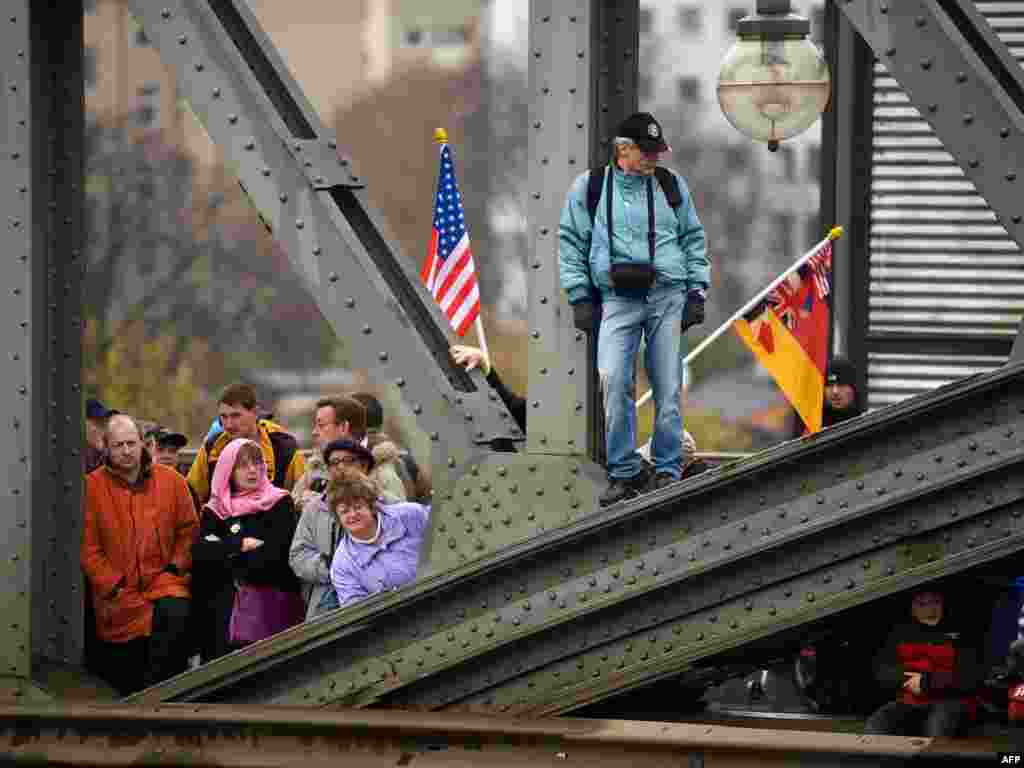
{"x": 773, "y": 89}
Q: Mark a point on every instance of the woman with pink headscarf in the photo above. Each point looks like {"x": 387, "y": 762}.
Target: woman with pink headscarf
{"x": 244, "y": 589}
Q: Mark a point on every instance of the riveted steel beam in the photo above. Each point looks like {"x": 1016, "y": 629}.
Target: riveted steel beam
{"x": 58, "y": 114}
{"x": 642, "y": 645}
{"x": 16, "y": 242}
{"x": 792, "y": 513}
{"x": 615, "y": 70}
{"x": 963, "y": 81}
{"x": 513, "y": 497}
{"x": 252, "y": 108}
{"x": 41, "y": 168}
{"x": 803, "y": 566}
{"x": 561, "y": 387}
{"x": 847, "y": 129}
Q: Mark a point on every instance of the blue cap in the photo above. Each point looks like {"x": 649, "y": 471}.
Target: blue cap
{"x": 94, "y": 409}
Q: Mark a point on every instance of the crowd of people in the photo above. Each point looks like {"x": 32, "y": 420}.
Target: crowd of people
{"x": 257, "y": 539}
{"x": 253, "y": 540}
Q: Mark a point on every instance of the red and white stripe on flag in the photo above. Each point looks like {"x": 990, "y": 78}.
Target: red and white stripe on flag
{"x": 448, "y": 270}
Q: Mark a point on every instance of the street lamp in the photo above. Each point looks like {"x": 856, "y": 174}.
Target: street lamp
{"x": 774, "y": 82}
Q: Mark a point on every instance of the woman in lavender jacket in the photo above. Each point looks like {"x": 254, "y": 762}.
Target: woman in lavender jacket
{"x": 381, "y": 545}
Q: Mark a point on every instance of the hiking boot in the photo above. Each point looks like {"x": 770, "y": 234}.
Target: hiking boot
{"x": 620, "y": 490}
{"x": 662, "y": 480}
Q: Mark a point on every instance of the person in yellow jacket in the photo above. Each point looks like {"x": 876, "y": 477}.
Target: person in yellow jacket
{"x": 238, "y": 418}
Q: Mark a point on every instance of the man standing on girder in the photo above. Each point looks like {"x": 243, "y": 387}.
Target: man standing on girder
{"x": 633, "y": 262}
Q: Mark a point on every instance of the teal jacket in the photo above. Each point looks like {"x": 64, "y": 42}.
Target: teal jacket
{"x": 680, "y": 250}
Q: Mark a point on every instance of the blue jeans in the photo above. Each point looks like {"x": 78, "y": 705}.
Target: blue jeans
{"x": 623, "y": 323}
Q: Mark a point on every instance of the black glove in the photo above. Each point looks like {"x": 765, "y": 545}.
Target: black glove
{"x": 693, "y": 312}
{"x": 584, "y": 316}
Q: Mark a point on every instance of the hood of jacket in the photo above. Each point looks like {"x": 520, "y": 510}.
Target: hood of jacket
{"x": 385, "y": 452}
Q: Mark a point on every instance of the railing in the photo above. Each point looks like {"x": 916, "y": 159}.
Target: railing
{"x": 242, "y": 736}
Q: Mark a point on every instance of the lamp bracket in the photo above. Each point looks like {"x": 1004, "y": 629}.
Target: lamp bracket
{"x": 773, "y": 20}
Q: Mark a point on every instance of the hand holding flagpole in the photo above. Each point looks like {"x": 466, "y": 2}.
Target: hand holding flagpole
{"x": 834, "y": 234}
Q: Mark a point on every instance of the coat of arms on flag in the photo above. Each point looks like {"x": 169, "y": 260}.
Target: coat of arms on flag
{"x": 788, "y": 332}
{"x": 448, "y": 270}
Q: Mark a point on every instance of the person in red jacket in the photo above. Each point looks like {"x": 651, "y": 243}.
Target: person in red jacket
{"x": 931, "y": 670}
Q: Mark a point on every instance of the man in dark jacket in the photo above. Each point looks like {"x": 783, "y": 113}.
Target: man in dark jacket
{"x": 930, "y": 669}
{"x": 841, "y": 398}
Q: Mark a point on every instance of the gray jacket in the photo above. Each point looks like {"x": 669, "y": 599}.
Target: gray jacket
{"x": 316, "y": 538}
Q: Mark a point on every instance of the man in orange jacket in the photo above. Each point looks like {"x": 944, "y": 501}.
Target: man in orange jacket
{"x": 137, "y": 555}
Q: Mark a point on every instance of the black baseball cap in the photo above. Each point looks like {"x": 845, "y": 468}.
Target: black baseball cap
{"x": 841, "y": 371}
{"x": 164, "y": 437}
{"x": 345, "y": 444}
{"x": 645, "y": 131}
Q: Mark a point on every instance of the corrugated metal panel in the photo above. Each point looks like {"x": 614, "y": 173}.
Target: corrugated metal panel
{"x": 893, "y": 377}
{"x": 941, "y": 266}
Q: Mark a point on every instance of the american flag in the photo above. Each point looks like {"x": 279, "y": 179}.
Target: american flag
{"x": 448, "y": 271}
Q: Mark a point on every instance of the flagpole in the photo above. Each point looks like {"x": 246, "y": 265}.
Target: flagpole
{"x": 479, "y": 326}
{"x": 834, "y": 234}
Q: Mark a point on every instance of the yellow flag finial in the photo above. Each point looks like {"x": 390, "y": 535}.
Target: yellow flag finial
{"x": 835, "y": 233}
{"x": 440, "y": 135}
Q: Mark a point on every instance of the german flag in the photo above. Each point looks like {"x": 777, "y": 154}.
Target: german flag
{"x": 788, "y": 332}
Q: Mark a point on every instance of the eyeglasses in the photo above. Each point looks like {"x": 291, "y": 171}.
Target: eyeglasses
{"x": 341, "y": 461}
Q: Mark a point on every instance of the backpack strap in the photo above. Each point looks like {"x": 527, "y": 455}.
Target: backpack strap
{"x": 670, "y": 186}
{"x": 594, "y": 184}
{"x": 284, "y": 446}
{"x": 211, "y": 463}
{"x": 668, "y": 181}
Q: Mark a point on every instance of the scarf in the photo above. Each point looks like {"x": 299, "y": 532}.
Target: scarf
{"x": 225, "y": 504}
